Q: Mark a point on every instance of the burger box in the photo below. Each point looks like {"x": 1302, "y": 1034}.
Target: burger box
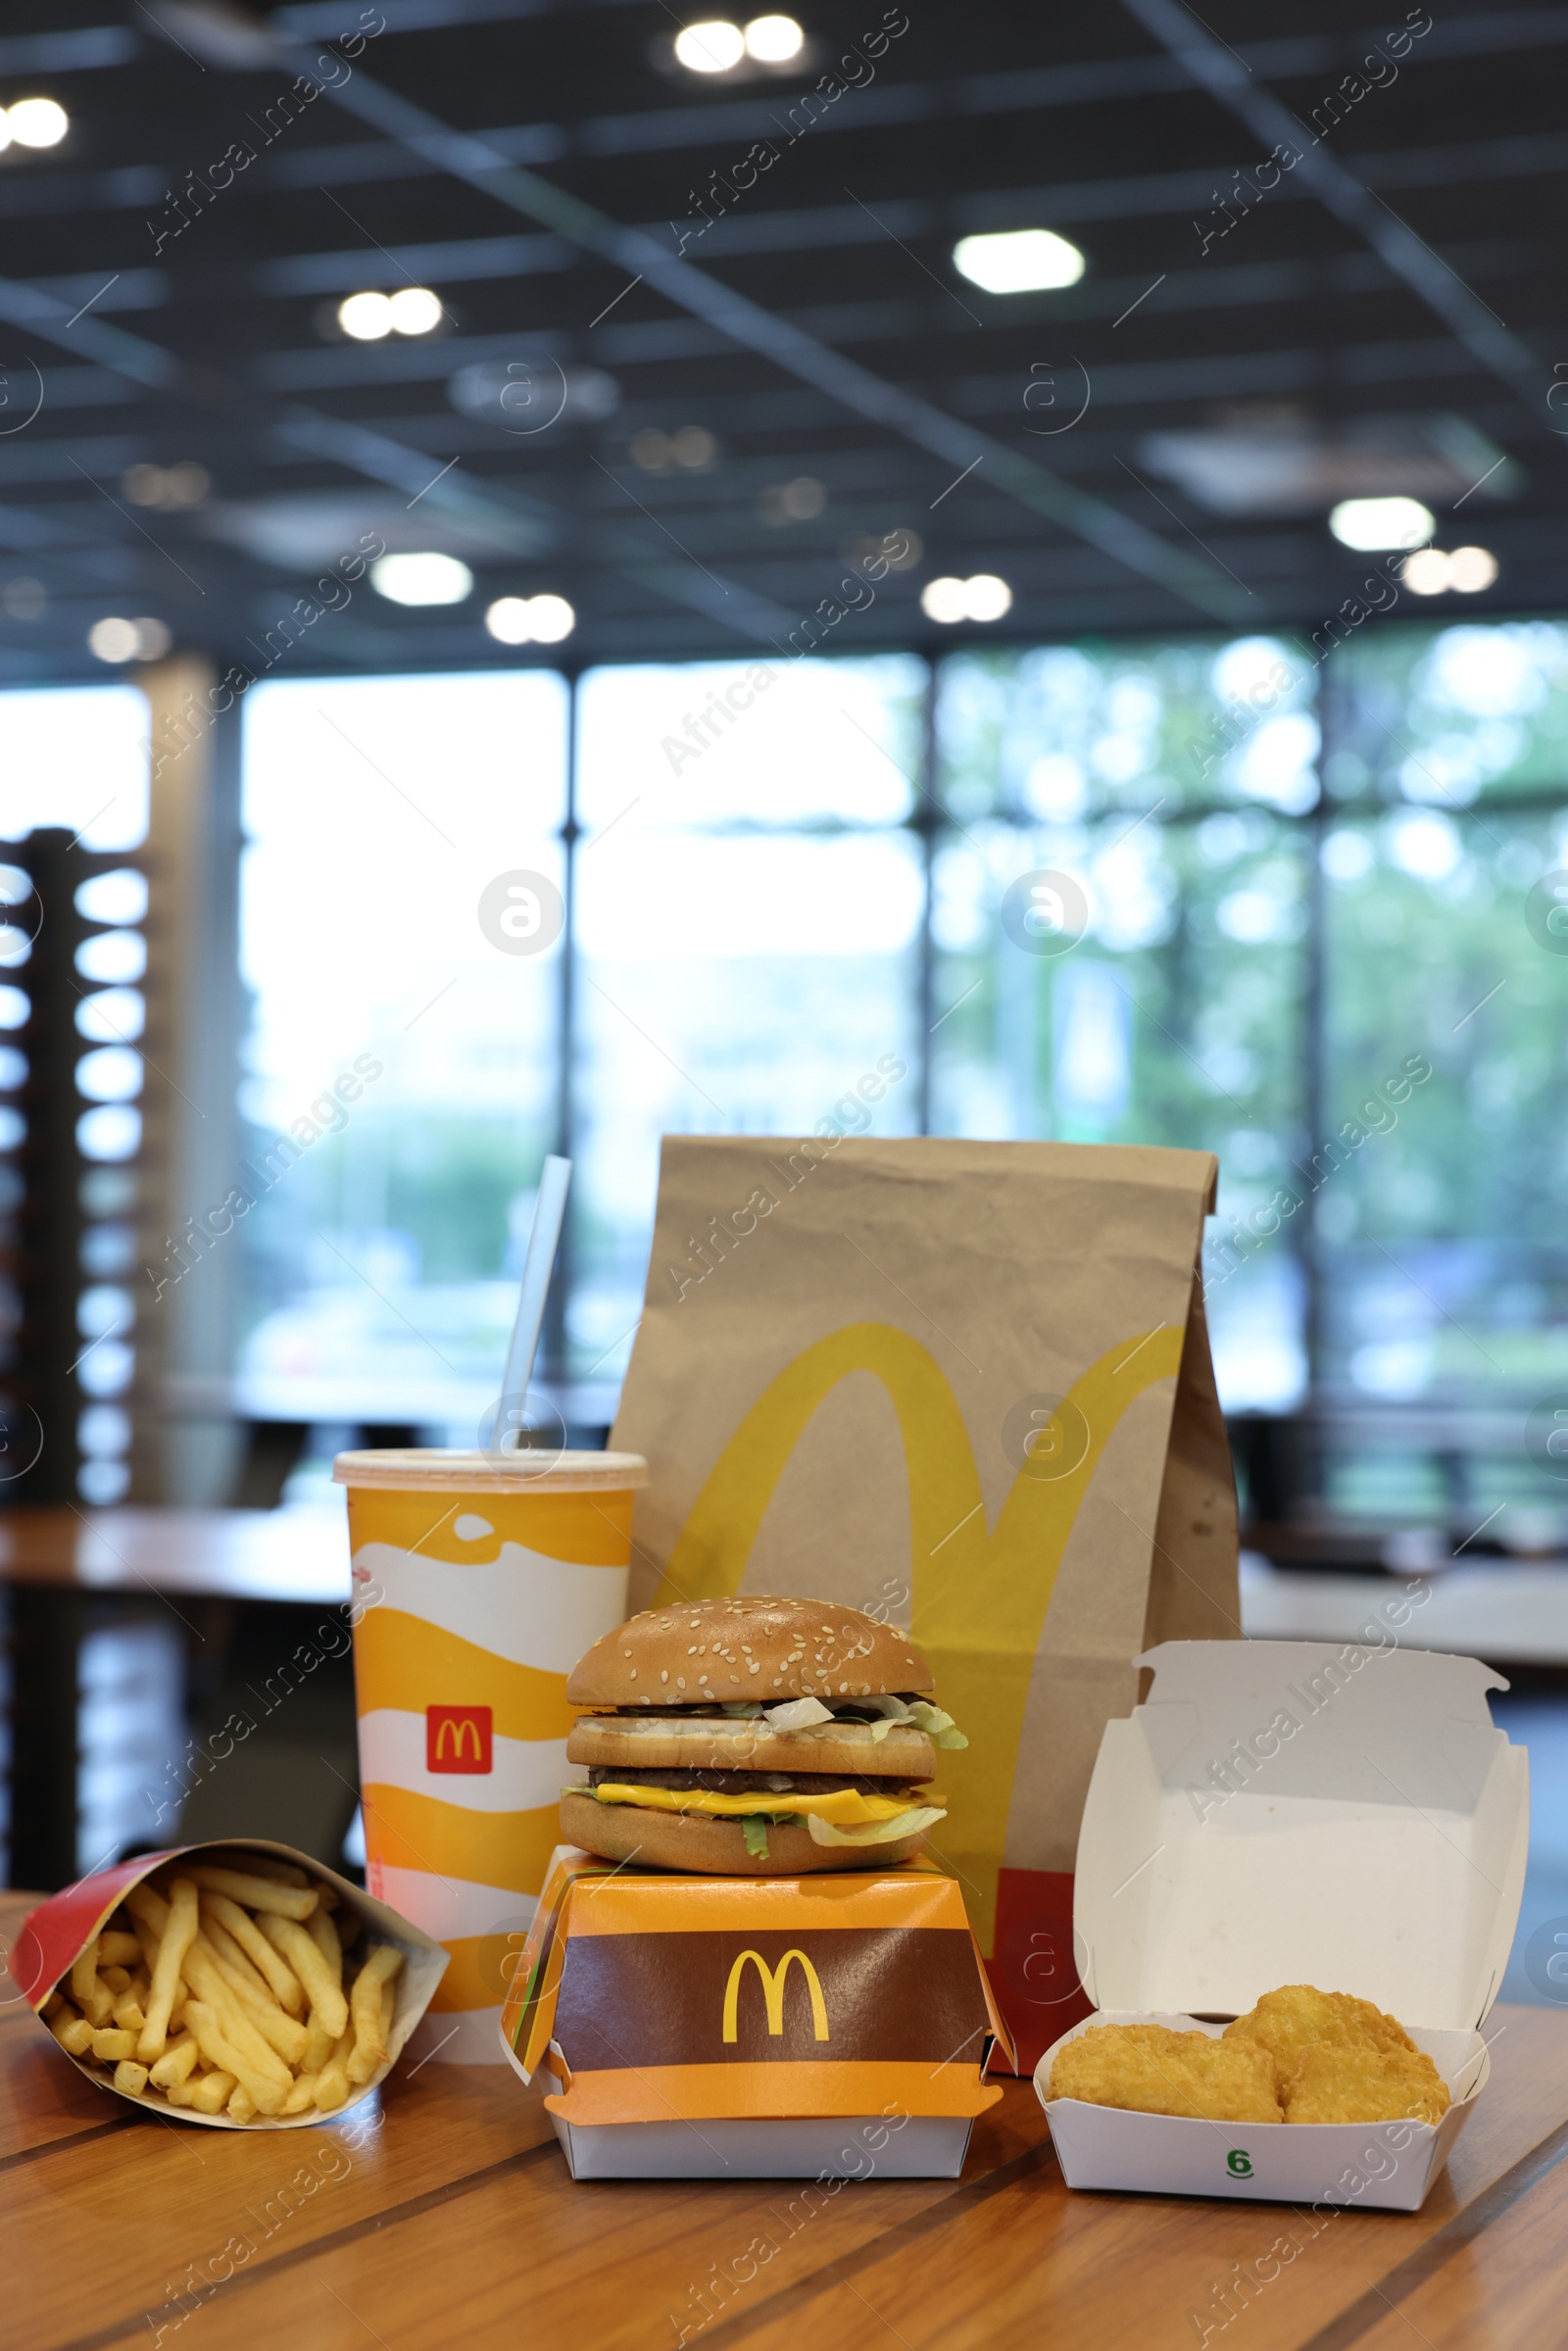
{"x": 1283, "y": 1812}
{"x": 835, "y": 2025}
{"x": 55, "y": 1934}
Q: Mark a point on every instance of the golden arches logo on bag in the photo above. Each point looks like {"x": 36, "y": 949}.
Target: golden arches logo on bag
{"x": 980, "y": 1594}
{"x": 773, "y": 1983}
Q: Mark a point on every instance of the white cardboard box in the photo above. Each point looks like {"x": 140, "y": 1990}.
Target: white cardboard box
{"x": 795, "y": 2147}
{"x": 1284, "y": 1812}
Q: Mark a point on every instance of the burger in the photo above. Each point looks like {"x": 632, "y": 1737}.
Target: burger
{"x": 753, "y": 1737}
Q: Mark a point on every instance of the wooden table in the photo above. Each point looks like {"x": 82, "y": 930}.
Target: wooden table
{"x": 54, "y": 1560}
{"x": 455, "y": 2224}
{"x": 299, "y": 1554}
{"x": 1512, "y": 1614}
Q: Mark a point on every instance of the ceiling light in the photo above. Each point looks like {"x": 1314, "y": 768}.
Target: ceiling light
{"x": 365, "y": 317}
{"x": 172, "y": 486}
{"x": 1472, "y": 569}
{"x": 427, "y": 578}
{"x": 799, "y": 500}
{"x": 945, "y": 599}
{"x": 530, "y": 620}
{"x": 415, "y": 310}
{"x": 985, "y": 597}
{"x": 693, "y": 447}
{"x": 37, "y": 123}
{"x": 23, "y": 597}
{"x": 711, "y": 48}
{"x": 1020, "y": 261}
{"x": 1372, "y": 523}
{"x": 1427, "y": 572}
{"x": 115, "y": 640}
{"x": 508, "y": 620}
{"x": 773, "y": 40}
{"x": 893, "y": 551}
{"x": 551, "y": 618}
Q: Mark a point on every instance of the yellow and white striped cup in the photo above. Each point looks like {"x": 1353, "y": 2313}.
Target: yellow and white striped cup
{"x": 479, "y": 1578}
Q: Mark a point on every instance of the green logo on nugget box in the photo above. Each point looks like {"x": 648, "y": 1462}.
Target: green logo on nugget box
{"x": 1238, "y": 2162}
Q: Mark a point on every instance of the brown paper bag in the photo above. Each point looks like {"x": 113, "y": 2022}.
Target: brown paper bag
{"x": 967, "y": 1385}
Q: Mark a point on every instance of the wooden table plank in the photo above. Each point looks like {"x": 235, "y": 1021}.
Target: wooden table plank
{"x": 452, "y": 2218}
{"x": 294, "y": 1554}
{"x": 1502, "y": 2291}
{"x": 616, "y": 2265}
{"x": 1113, "y": 2270}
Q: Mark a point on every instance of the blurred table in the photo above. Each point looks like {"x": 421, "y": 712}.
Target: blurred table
{"x": 453, "y": 2220}
{"x": 1508, "y": 1614}
{"x": 53, "y": 1561}
{"x": 299, "y": 1554}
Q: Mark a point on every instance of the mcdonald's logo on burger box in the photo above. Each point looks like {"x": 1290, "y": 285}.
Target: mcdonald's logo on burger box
{"x": 835, "y": 2025}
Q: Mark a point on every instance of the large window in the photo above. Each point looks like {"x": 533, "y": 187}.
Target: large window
{"x": 401, "y": 1069}
{"x": 1217, "y": 893}
{"x": 1442, "y": 1267}
{"x": 1151, "y": 986}
{"x": 749, "y": 930}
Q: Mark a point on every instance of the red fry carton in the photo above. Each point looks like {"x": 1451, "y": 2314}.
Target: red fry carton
{"x": 704, "y": 2028}
{"x": 55, "y": 1934}
{"x": 1276, "y": 1813}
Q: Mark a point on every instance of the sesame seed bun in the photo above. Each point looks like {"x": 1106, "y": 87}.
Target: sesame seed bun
{"x": 715, "y": 1848}
{"x": 746, "y": 1647}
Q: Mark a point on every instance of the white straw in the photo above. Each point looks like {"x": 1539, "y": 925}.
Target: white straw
{"x": 542, "y": 1241}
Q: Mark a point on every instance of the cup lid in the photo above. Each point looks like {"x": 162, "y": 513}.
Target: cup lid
{"x": 441, "y": 1468}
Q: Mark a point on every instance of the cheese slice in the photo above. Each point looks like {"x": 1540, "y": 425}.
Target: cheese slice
{"x": 845, "y": 1807}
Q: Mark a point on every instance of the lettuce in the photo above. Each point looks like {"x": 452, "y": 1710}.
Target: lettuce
{"x": 940, "y": 1728}
{"x": 877, "y": 1832}
{"x": 755, "y": 1826}
{"x": 797, "y": 1714}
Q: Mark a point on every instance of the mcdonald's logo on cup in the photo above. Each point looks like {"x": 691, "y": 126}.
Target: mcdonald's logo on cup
{"x": 773, "y": 1980}
{"x": 457, "y": 1739}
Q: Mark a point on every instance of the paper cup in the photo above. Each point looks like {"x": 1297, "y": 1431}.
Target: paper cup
{"x": 480, "y": 1578}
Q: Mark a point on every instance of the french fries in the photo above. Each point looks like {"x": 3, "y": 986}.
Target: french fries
{"x": 178, "y": 1933}
{"x": 322, "y": 1983}
{"x": 221, "y": 1990}
{"x": 370, "y": 2042}
{"x": 260, "y": 1893}
{"x": 263, "y": 1956}
{"x": 93, "y": 1998}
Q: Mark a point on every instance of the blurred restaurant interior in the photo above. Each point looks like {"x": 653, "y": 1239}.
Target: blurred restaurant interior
{"x": 558, "y": 566}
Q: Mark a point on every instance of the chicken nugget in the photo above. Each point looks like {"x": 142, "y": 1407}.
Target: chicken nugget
{"x": 1151, "y": 2069}
{"x": 1290, "y": 2019}
{"x": 1337, "y": 2085}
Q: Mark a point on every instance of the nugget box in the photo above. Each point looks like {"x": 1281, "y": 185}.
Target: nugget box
{"x": 1282, "y": 1812}
{"x": 706, "y": 2028}
{"x": 55, "y": 1934}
